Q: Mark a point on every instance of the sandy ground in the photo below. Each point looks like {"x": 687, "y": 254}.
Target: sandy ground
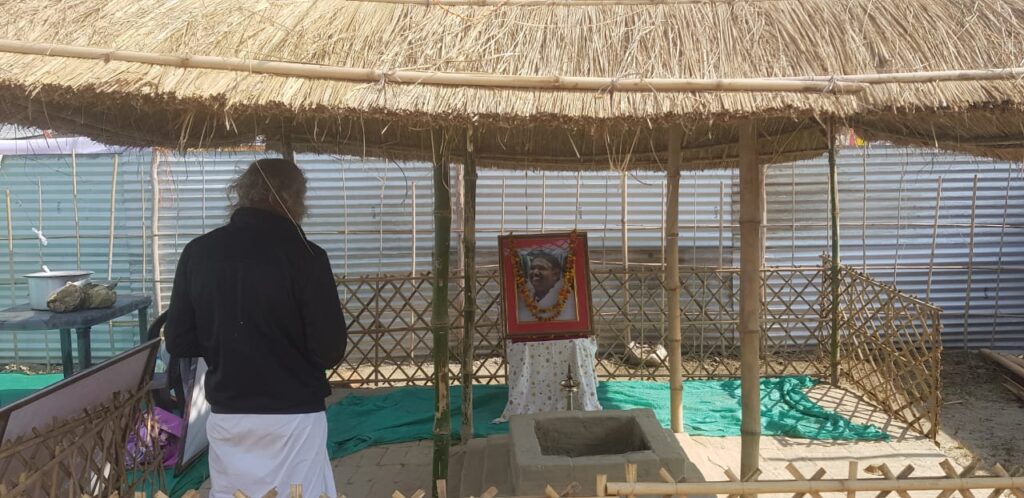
{"x": 979, "y": 417}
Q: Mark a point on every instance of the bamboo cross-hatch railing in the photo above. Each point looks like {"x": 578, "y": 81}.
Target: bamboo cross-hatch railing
{"x": 891, "y": 347}
{"x": 877, "y": 480}
{"x": 390, "y": 334}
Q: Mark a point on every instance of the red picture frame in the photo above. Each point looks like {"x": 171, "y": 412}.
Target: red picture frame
{"x": 558, "y": 311}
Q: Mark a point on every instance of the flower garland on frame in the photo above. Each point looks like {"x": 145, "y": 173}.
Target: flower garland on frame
{"x": 547, "y": 314}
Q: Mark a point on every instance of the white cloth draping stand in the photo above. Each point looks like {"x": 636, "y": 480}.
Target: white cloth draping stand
{"x": 255, "y": 453}
{"x": 536, "y": 370}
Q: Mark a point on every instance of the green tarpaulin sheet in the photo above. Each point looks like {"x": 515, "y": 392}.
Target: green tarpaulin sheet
{"x": 16, "y": 385}
{"x": 710, "y": 408}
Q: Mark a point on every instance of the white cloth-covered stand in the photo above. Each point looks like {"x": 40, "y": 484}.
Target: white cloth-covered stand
{"x": 536, "y": 370}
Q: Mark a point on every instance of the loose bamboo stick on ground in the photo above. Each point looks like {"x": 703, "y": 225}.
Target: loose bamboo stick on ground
{"x": 1005, "y": 362}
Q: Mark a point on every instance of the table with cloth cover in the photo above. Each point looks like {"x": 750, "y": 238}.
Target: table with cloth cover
{"x": 537, "y": 369}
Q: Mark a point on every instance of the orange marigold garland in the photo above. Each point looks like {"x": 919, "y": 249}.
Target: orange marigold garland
{"x": 547, "y": 314}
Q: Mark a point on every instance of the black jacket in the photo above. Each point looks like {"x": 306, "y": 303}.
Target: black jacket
{"x": 258, "y": 301}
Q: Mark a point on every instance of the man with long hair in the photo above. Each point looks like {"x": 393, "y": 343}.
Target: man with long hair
{"x": 258, "y": 302}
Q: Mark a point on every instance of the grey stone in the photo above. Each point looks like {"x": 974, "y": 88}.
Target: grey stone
{"x": 562, "y": 448}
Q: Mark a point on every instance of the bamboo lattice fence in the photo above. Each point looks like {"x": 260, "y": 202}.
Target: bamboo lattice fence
{"x": 77, "y": 456}
{"x": 889, "y": 341}
{"x": 389, "y": 341}
{"x": 890, "y": 348}
{"x": 904, "y": 484}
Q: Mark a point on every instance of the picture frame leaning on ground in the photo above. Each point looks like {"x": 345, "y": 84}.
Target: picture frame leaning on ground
{"x": 545, "y": 285}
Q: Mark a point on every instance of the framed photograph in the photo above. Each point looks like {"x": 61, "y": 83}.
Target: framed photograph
{"x": 545, "y": 284}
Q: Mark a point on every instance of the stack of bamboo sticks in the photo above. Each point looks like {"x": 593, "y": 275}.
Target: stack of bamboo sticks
{"x": 1013, "y": 379}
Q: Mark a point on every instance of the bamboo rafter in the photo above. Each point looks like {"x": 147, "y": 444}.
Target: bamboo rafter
{"x": 481, "y": 80}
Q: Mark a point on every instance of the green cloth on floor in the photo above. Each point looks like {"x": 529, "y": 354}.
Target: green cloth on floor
{"x": 710, "y": 408}
{"x": 17, "y": 385}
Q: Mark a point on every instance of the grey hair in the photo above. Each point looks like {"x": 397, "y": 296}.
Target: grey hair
{"x": 555, "y": 261}
{"x": 276, "y": 184}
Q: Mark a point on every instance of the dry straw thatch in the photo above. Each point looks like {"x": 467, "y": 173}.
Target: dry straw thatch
{"x": 143, "y": 104}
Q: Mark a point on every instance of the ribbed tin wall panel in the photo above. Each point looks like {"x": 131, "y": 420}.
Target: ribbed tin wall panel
{"x": 889, "y": 204}
{"x": 362, "y": 212}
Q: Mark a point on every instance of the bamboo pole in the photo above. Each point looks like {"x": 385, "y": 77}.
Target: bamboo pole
{"x": 999, "y": 255}
{"x": 413, "y": 267}
{"x": 1010, "y": 365}
{"x": 469, "y": 285}
{"x": 833, "y": 182}
{"x": 74, "y": 206}
{"x": 10, "y": 245}
{"x": 10, "y": 266}
{"x": 675, "y": 341}
{"x": 752, "y": 208}
{"x": 624, "y": 221}
{"x": 287, "y": 149}
{"x": 543, "y": 199}
{"x": 935, "y": 238}
{"x": 39, "y": 215}
{"x": 42, "y": 264}
{"x": 439, "y": 314}
{"x": 507, "y": 81}
{"x": 818, "y": 486}
{"x": 970, "y": 263}
{"x": 110, "y": 236}
{"x": 523, "y": 3}
{"x": 154, "y": 243}
{"x": 864, "y": 211}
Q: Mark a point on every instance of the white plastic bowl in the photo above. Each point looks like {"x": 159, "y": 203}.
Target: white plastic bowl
{"x": 44, "y": 283}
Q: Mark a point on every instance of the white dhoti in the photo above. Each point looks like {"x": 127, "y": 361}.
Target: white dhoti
{"x": 255, "y": 453}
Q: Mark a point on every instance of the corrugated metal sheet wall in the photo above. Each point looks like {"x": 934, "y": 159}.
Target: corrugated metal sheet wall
{"x": 895, "y": 222}
{"x": 375, "y": 217}
{"x": 26, "y": 177}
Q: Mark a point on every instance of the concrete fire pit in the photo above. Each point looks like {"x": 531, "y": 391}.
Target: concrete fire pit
{"x": 564, "y": 447}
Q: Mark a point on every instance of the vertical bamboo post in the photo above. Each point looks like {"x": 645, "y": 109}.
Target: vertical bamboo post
{"x": 675, "y": 341}
{"x": 999, "y": 258}
{"x": 287, "y": 150}
{"x": 935, "y": 238}
{"x": 469, "y": 285}
{"x": 74, "y": 206}
{"x": 624, "y": 220}
{"x": 10, "y": 244}
{"x": 751, "y": 257}
{"x": 439, "y": 314}
{"x": 501, "y": 224}
{"x": 543, "y": 200}
{"x": 39, "y": 215}
{"x": 154, "y": 243}
{"x": 344, "y": 218}
{"x": 721, "y": 224}
{"x": 10, "y": 266}
{"x": 970, "y": 263}
{"x": 411, "y": 342}
{"x": 833, "y": 184}
{"x": 413, "y": 233}
{"x": 579, "y": 207}
{"x": 110, "y": 235}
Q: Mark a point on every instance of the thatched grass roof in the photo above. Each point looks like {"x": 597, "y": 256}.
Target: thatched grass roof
{"x": 131, "y": 103}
